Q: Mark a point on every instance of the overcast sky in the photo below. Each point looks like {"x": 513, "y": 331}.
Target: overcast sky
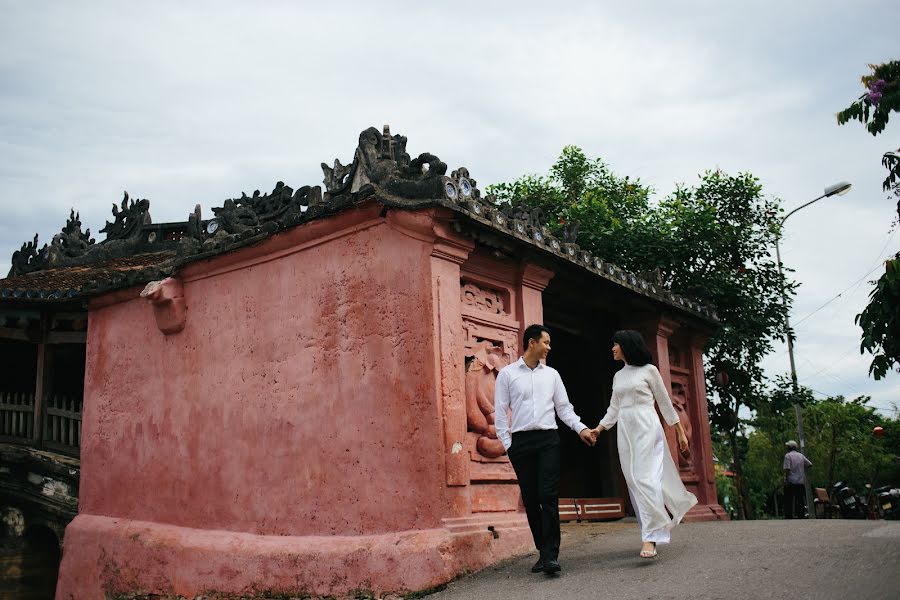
{"x": 186, "y": 103}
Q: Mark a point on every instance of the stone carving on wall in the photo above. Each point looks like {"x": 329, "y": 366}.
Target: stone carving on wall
{"x": 483, "y": 299}
{"x": 681, "y": 401}
{"x": 676, "y": 358}
{"x": 482, "y": 367}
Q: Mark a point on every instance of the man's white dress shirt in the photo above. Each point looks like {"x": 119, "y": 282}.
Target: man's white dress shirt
{"x": 531, "y": 396}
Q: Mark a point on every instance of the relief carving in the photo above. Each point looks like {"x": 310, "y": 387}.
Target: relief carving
{"x": 483, "y": 299}
{"x": 680, "y": 400}
{"x": 483, "y": 362}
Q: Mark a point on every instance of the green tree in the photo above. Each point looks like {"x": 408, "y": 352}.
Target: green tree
{"x": 879, "y": 320}
{"x": 711, "y": 242}
{"x": 582, "y": 200}
{"x": 841, "y": 445}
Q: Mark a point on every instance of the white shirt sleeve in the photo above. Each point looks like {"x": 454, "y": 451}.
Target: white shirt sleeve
{"x": 658, "y": 389}
{"x": 501, "y": 409}
{"x": 564, "y": 408}
{"x": 612, "y": 412}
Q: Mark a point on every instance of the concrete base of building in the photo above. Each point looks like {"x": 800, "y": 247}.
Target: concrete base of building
{"x": 107, "y": 557}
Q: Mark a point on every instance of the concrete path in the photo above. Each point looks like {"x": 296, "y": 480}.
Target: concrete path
{"x": 768, "y": 560}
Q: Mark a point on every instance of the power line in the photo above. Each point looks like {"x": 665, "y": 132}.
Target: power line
{"x": 855, "y": 283}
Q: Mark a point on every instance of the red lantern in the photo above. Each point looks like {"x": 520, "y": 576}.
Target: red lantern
{"x": 878, "y": 431}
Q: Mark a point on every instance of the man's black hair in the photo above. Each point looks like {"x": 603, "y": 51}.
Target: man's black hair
{"x": 533, "y": 332}
{"x": 634, "y": 349}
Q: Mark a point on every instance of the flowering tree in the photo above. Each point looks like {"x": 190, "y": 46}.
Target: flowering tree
{"x": 882, "y": 97}
{"x": 880, "y": 320}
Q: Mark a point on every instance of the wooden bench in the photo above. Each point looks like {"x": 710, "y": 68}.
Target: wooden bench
{"x": 820, "y": 498}
{"x": 590, "y": 509}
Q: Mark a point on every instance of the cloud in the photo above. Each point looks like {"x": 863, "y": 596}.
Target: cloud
{"x": 194, "y": 103}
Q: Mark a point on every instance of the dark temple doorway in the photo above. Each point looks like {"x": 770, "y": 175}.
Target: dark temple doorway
{"x": 580, "y": 351}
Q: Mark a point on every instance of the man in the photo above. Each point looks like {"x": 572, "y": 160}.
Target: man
{"x": 532, "y": 392}
{"x": 795, "y": 465}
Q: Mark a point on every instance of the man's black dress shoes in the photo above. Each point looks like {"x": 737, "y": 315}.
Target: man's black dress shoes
{"x": 551, "y": 567}
{"x": 538, "y": 566}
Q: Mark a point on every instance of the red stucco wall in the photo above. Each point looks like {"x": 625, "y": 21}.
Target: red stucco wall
{"x": 298, "y": 400}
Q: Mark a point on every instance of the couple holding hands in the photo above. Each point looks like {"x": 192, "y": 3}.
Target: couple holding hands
{"x": 527, "y": 397}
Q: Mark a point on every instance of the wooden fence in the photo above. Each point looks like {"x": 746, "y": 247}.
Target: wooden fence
{"x": 61, "y": 427}
{"x": 17, "y": 416}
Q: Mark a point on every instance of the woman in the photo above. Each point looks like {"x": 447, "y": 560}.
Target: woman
{"x": 653, "y": 481}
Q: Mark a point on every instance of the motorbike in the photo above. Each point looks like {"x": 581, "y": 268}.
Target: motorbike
{"x": 885, "y": 502}
{"x": 848, "y": 502}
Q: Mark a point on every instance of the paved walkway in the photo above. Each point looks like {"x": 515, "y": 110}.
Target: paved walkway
{"x": 816, "y": 560}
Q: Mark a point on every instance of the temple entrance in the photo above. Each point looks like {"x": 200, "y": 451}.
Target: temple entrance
{"x": 581, "y": 355}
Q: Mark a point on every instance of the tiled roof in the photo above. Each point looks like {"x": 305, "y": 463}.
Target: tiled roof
{"x": 68, "y": 282}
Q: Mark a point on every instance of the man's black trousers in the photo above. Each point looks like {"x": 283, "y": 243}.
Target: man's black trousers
{"x": 535, "y": 457}
{"x": 794, "y": 500}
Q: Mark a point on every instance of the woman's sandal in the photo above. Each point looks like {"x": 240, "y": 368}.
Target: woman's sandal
{"x": 649, "y": 553}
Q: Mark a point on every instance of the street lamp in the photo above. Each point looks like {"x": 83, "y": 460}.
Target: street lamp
{"x": 838, "y": 189}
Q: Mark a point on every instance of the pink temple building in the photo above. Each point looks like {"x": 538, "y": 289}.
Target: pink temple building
{"x": 295, "y": 395}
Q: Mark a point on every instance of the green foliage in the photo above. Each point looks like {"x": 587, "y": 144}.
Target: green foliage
{"x": 882, "y": 97}
{"x": 611, "y": 212}
{"x": 880, "y": 322}
{"x": 720, "y": 236}
{"x": 726, "y": 493}
{"x": 711, "y": 242}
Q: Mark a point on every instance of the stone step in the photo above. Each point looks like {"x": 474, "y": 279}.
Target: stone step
{"x": 486, "y": 522}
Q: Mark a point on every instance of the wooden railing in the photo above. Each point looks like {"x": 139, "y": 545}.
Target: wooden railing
{"x": 60, "y": 429}
{"x": 62, "y": 423}
{"x": 17, "y": 416}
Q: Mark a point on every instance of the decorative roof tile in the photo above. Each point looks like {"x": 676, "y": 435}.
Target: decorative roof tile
{"x": 137, "y": 251}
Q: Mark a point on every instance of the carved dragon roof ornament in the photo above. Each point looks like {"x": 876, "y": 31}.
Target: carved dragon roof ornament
{"x": 71, "y": 242}
{"x": 128, "y": 221}
{"x": 381, "y": 166}
{"x": 71, "y": 245}
{"x": 28, "y": 258}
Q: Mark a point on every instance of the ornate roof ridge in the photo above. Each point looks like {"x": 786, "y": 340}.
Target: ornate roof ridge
{"x": 380, "y": 168}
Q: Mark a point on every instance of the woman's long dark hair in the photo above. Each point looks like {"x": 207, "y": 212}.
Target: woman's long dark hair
{"x": 634, "y": 349}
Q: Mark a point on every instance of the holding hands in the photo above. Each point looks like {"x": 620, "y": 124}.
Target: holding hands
{"x": 588, "y": 436}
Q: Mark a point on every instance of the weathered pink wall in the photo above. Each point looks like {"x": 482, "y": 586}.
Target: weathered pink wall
{"x": 300, "y": 389}
{"x": 298, "y": 436}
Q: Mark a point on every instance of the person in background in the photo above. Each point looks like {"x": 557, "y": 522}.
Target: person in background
{"x": 795, "y": 465}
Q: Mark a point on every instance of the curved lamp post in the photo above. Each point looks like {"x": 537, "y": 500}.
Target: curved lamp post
{"x": 838, "y": 189}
